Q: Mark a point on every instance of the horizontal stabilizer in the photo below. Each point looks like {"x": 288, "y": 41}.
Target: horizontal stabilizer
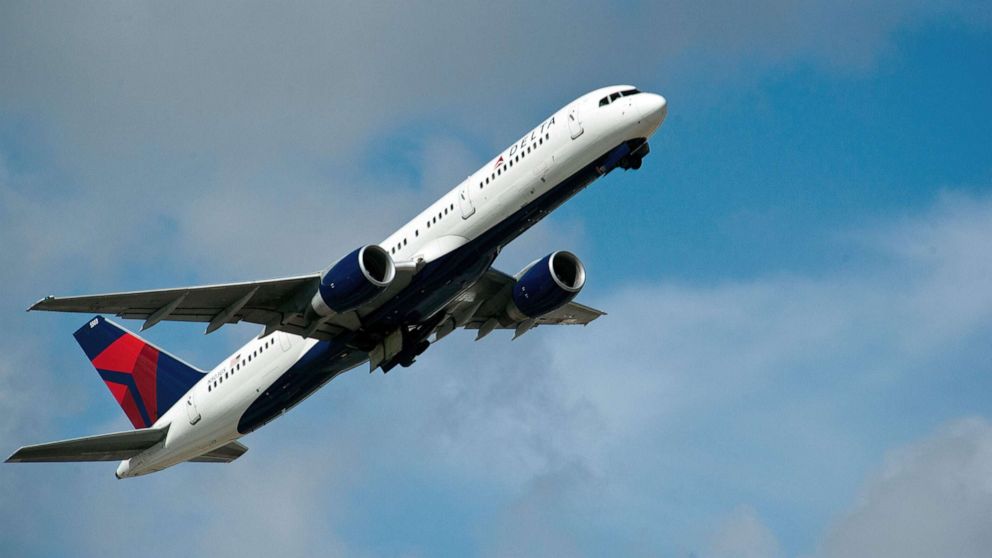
{"x": 223, "y": 454}
{"x": 103, "y": 447}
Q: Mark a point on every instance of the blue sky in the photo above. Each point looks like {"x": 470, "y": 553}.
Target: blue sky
{"x": 796, "y": 356}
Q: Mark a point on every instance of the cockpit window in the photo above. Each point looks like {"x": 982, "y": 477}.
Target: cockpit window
{"x": 614, "y": 96}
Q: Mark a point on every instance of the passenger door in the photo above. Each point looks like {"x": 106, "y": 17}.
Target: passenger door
{"x": 465, "y": 200}
{"x": 192, "y": 413}
{"x": 574, "y": 124}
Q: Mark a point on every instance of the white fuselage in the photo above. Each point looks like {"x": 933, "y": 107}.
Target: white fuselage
{"x": 570, "y": 140}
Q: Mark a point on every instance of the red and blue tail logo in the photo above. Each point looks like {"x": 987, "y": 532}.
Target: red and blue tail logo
{"x": 144, "y": 380}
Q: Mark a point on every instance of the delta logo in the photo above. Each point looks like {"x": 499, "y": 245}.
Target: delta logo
{"x": 498, "y": 162}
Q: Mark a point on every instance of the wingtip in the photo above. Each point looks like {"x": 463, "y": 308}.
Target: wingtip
{"x": 36, "y": 305}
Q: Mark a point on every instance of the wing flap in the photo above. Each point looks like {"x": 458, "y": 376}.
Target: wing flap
{"x": 102, "y": 447}
{"x": 487, "y": 299}
{"x": 572, "y": 313}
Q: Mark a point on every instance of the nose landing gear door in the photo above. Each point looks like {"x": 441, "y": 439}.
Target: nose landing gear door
{"x": 574, "y": 124}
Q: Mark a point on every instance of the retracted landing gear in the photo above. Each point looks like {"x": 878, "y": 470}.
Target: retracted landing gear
{"x": 633, "y": 160}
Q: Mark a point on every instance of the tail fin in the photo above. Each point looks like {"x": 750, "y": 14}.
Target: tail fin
{"x": 144, "y": 380}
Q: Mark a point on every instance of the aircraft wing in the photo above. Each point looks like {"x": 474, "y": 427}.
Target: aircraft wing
{"x": 103, "y": 447}
{"x": 274, "y": 303}
{"x": 482, "y": 307}
{"x": 277, "y": 304}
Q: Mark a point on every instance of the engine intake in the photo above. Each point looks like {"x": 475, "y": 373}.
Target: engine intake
{"x": 546, "y": 285}
{"x": 354, "y": 280}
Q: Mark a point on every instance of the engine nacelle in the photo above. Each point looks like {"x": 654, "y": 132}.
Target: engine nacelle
{"x": 546, "y": 285}
{"x": 355, "y": 280}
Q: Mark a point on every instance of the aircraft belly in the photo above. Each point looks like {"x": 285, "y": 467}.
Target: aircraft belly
{"x": 433, "y": 288}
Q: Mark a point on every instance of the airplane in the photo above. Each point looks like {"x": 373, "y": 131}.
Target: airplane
{"x": 384, "y": 303}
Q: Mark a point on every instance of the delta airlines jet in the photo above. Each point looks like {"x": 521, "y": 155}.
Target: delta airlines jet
{"x": 384, "y": 303}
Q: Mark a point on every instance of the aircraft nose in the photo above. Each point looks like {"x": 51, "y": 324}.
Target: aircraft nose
{"x": 655, "y": 109}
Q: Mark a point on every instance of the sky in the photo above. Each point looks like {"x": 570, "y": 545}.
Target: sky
{"x": 796, "y": 359}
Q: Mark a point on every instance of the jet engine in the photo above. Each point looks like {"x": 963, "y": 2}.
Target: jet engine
{"x": 546, "y": 285}
{"x": 354, "y": 280}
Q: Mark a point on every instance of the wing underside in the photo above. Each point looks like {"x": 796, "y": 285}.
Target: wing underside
{"x": 483, "y": 307}
{"x": 280, "y": 304}
{"x": 274, "y": 303}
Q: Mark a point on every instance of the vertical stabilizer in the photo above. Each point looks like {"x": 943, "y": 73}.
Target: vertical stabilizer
{"x": 145, "y": 380}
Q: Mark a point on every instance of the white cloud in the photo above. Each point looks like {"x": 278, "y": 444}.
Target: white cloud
{"x": 641, "y": 424}
{"x": 743, "y": 535}
{"x": 931, "y": 498}
{"x": 737, "y": 390}
{"x": 115, "y": 83}
{"x": 174, "y": 137}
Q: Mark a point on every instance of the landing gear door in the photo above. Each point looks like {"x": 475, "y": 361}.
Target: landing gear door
{"x": 465, "y": 200}
{"x": 192, "y": 413}
{"x": 574, "y": 124}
